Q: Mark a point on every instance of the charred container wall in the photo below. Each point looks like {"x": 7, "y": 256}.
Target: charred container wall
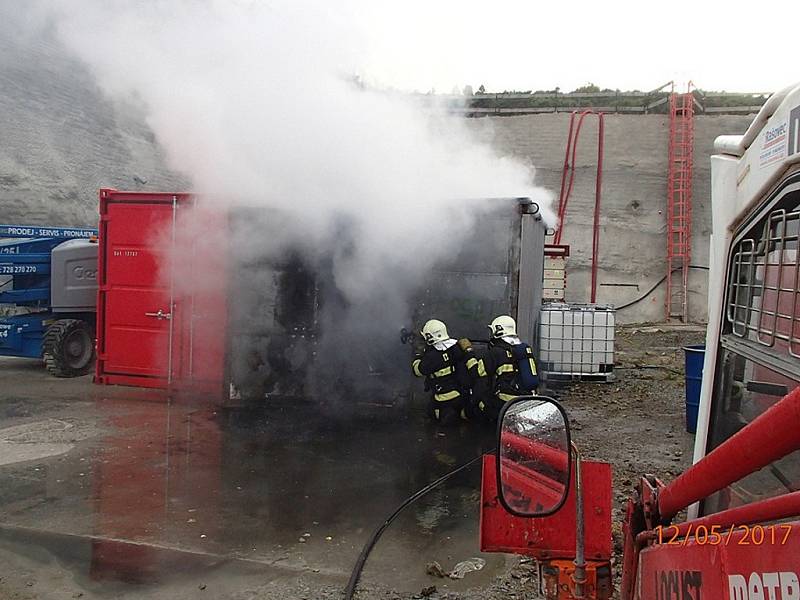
{"x": 499, "y": 270}
{"x": 293, "y": 335}
{"x": 273, "y": 310}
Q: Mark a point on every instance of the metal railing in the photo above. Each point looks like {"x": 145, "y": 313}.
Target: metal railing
{"x": 763, "y": 302}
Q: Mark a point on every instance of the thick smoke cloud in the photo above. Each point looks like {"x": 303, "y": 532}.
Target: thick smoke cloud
{"x": 261, "y": 105}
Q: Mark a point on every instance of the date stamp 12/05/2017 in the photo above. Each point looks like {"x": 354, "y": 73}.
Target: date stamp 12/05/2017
{"x": 716, "y": 535}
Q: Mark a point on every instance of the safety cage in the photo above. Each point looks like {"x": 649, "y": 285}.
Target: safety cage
{"x": 763, "y": 295}
{"x": 760, "y": 339}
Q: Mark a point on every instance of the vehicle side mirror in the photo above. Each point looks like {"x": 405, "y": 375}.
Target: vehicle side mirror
{"x": 534, "y": 465}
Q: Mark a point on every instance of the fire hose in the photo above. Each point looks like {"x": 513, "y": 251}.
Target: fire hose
{"x": 350, "y": 590}
{"x": 657, "y": 283}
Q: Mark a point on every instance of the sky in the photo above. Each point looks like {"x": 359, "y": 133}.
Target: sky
{"x": 623, "y": 44}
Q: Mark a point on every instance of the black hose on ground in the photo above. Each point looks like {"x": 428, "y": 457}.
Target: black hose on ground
{"x": 652, "y": 289}
{"x": 350, "y": 590}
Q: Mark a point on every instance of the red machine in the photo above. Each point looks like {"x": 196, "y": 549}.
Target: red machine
{"x": 741, "y": 539}
{"x": 748, "y": 550}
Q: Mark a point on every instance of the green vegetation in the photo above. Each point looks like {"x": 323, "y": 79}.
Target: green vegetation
{"x": 592, "y": 96}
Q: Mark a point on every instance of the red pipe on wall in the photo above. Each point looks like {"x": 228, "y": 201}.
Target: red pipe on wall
{"x": 772, "y": 435}
{"x": 566, "y": 189}
{"x": 569, "y": 165}
{"x": 565, "y": 168}
{"x": 597, "y": 186}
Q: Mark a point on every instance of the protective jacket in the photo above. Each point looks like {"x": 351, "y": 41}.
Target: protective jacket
{"x": 448, "y": 370}
{"x": 502, "y": 366}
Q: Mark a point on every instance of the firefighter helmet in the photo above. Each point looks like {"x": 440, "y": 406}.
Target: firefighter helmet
{"x": 434, "y": 331}
{"x": 503, "y": 326}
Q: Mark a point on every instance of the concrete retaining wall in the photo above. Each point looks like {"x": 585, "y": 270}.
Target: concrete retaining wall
{"x": 633, "y": 222}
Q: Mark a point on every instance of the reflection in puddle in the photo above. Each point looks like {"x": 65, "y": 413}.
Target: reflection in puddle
{"x": 172, "y": 486}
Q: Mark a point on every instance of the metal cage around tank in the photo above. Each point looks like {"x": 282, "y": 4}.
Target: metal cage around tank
{"x": 577, "y": 342}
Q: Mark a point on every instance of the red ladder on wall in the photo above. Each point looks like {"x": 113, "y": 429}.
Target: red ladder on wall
{"x": 679, "y": 204}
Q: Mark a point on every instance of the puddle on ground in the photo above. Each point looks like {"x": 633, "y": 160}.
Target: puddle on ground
{"x": 175, "y": 485}
{"x": 15, "y": 452}
{"x": 37, "y": 440}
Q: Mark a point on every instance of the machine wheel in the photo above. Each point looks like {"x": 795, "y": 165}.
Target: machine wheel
{"x": 69, "y": 348}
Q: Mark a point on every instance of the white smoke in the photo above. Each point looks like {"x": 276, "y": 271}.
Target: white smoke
{"x": 256, "y": 101}
{"x": 260, "y": 104}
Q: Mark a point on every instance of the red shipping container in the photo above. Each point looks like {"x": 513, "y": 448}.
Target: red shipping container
{"x": 161, "y": 309}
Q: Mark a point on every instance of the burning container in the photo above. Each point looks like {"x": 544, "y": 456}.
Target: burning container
{"x": 181, "y": 306}
{"x": 295, "y": 335}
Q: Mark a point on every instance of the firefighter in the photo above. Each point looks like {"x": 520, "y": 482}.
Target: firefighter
{"x": 510, "y": 366}
{"x": 447, "y": 365}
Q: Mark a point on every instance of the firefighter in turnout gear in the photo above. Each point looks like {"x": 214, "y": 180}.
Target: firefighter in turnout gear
{"x": 510, "y": 366}
{"x": 448, "y": 366}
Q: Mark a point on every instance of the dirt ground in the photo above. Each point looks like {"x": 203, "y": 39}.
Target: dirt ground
{"x": 49, "y": 548}
{"x": 637, "y": 423}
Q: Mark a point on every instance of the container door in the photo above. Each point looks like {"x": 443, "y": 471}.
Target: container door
{"x": 199, "y": 287}
{"x": 135, "y": 302}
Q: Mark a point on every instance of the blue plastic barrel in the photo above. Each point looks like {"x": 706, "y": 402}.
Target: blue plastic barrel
{"x": 694, "y": 356}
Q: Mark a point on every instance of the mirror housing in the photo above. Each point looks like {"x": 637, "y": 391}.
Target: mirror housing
{"x": 534, "y": 456}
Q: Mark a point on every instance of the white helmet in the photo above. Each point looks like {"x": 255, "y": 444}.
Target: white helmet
{"x": 434, "y": 331}
{"x": 503, "y": 326}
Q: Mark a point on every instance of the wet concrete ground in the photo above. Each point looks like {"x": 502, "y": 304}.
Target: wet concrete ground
{"x": 122, "y": 487}
{"x": 128, "y": 493}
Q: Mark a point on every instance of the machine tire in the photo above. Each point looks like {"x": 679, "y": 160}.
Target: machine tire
{"x": 68, "y": 348}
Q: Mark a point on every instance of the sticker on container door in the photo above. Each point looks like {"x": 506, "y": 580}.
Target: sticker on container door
{"x": 125, "y": 252}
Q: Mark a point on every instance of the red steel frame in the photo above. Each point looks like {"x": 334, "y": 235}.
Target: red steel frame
{"x": 681, "y": 563}
{"x": 551, "y": 537}
{"x": 767, "y": 438}
{"x": 679, "y": 204}
{"x": 734, "y": 568}
{"x": 772, "y": 435}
